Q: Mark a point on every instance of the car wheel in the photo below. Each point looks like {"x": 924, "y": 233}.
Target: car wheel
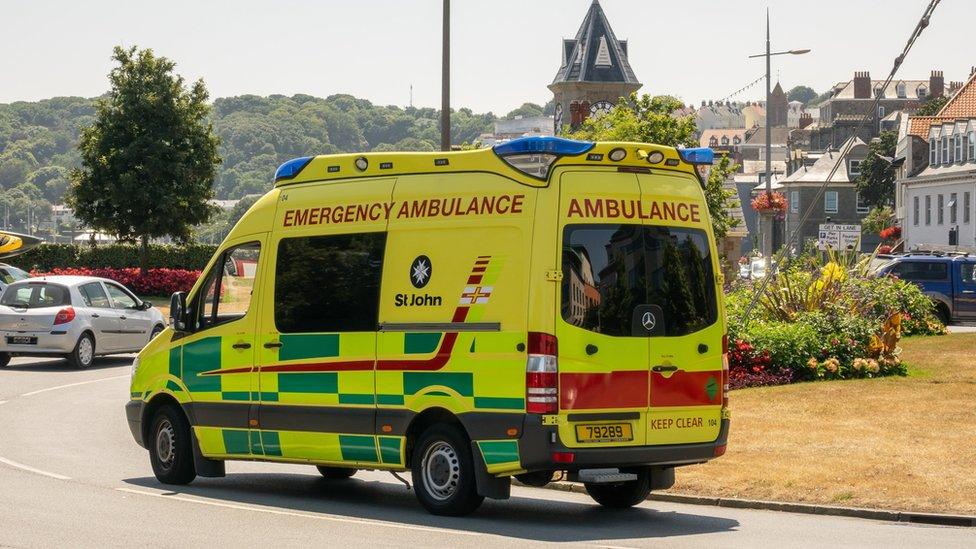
{"x": 84, "y": 353}
{"x": 155, "y": 332}
{"x": 4, "y": 359}
{"x": 169, "y": 447}
{"x": 620, "y": 495}
{"x": 443, "y": 472}
{"x": 942, "y": 313}
{"x": 336, "y": 473}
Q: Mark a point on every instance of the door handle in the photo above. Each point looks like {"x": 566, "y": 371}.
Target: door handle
{"x": 122, "y": 317}
{"x": 272, "y": 345}
{"x": 241, "y": 345}
{"x": 663, "y": 368}
{"x": 94, "y": 315}
{"x": 969, "y": 291}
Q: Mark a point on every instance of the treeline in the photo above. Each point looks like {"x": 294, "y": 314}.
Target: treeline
{"x": 38, "y": 140}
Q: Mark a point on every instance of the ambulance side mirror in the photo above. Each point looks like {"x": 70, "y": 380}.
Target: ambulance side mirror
{"x": 177, "y": 311}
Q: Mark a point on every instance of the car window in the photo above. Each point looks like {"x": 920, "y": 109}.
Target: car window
{"x": 227, "y": 292}
{"x": 10, "y": 274}
{"x": 94, "y": 296}
{"x": 121, "y": 298}
{"x": 969, "y": 273}
{"x": 921, "y": 270}
{"x": 35, "y": 294}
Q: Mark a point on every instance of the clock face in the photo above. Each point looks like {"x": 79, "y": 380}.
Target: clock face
{"x": 557, "y": 119}
{"x": 600, "y": 108}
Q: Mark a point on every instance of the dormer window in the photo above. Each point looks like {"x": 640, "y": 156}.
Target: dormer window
{"x": 922, "y": 92}
{"x": 712, "y": 141}
{"x": 725, "y": 140}
{"x": 944, "y": 151}
{"x": 736, "y": 140}
{"x": 972, "y": 146}
{"x": 879, "y": 92}
{"x": 958, "y": 152}
{"x": 933, "y": 152}
{"x": 854, "y": 169}
{"x": 900, "y": 90}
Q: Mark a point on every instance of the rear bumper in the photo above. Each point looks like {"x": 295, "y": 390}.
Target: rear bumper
{"x": 133, "y": 415}
{"x": 47, "y": 344}
{"x": 536, "y": 448}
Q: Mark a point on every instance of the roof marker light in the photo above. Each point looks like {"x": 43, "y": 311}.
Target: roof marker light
{"x": 362, "y": 163}
{"x": 655, "y": 157}
{"x": 543, "y": 145}
{"x": 617, "y": 154}
{"x": 698, "y": 155}
{"x": 290, "y": 169}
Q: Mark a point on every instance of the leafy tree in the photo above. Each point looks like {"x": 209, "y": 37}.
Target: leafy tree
{"x": 878, "y": 219}
{"x": 525, "y": 111}
{"x": 876, "y": 184}
{"x": 550, "y": 108}
{"x": 932, "y": 106}
{"x": 649, "y": 119}
{"x": 803, "y": 94}
{"x": 149, "y": 160}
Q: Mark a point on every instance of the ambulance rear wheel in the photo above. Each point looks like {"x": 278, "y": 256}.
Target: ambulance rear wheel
{"x": 336, "y": 473}
{"x": 620, "y": 495}
{"x": 4, "y": 359}
{"x": 170, "y": 447}
{"x": 443, "y": 472}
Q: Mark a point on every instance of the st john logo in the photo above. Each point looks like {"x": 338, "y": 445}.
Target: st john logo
{"x": 420, "y": 271}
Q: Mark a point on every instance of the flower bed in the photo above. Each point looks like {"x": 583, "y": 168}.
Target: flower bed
{"x": 156, "y": 282}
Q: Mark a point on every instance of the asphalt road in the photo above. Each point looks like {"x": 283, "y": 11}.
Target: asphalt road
{"x": 70, "y": 475}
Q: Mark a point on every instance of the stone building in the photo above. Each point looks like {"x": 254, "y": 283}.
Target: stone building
{"x": 594, "y": 72}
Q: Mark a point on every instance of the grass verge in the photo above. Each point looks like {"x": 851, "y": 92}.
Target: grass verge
{"x": 906, "y": 443}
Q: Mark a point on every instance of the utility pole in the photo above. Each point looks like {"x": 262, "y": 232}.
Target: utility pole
{"x": 446, "y": 79}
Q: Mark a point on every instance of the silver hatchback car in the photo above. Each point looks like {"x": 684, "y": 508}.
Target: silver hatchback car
{"x": 75, "y": 317}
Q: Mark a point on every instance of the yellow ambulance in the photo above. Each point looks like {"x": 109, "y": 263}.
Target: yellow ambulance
{"x": 543, "y": 309}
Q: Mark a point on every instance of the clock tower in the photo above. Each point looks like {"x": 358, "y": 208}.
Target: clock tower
{"x": 594, "y": 73}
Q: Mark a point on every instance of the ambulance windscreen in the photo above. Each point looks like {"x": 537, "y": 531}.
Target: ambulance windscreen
{"x": 613, "y": 275}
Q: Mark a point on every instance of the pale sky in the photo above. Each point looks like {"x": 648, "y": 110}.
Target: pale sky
{"x": 504, "y": 52}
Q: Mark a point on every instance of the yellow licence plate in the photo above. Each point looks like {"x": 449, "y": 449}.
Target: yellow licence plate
{"x": 604, "y": 432}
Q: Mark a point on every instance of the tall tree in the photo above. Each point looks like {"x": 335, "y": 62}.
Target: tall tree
{"x": 932, "y": 106}
{"x": 876, "y": 184}
{"x": 803, "y": 94}
{"x": 149, "y": 159}
{"x": 647, "y": 119}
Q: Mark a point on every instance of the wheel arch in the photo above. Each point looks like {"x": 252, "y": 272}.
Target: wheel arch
{"x": 426, "y": 419}
{"x": 154, "y": 404}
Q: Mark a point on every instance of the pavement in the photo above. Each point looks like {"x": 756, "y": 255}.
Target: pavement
{"x": 962, "y": 328}
{"x": 70, "y": 474}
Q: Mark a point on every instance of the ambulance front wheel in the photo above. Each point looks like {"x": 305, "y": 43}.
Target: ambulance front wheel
{"x": 620, "y": 495}
{"x": 170, "y": 446}
{"x": 443, "y": 473}
{"x": 336, "y": 473}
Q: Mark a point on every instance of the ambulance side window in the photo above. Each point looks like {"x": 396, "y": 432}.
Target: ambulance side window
{"x": 226, "y": 294}
{"x": 329, "y": 283}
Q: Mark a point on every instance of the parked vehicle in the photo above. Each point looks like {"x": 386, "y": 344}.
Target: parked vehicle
{"x": 10, "y": 274}
{"x": 948, "y": 279}
{"x": 544, "y": 306}
{"x": 76, "y": 317}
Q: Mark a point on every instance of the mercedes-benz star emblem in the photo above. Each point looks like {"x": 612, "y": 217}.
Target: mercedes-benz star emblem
{"x": 420, "y": 271}
{"x": 648, "y": 321}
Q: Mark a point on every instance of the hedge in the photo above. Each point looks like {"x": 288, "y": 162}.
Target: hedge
{"x": 47, "y": 257}
{"x": 162, "y": 282}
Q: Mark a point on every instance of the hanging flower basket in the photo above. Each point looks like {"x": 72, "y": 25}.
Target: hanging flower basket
{"x": 774, "y": 202}
{"x": 890, "y": 233}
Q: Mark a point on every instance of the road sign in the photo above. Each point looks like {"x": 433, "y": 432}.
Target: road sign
{"x": 839, "y": 237}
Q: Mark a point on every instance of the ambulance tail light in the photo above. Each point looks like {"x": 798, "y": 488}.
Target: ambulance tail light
{"x": 64, "y": 316}
{"x": 725, "y": 371}
{"x": 542, "y": 375}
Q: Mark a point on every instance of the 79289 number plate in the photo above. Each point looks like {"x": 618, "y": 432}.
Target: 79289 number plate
{"x": 604, "y": 432}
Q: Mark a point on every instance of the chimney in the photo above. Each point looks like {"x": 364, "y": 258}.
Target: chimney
{"x": 954, "y": 87}
{"x": 936, "y": 84}
{"x": 805, "y": 120}
{"x": 862, "y": 85}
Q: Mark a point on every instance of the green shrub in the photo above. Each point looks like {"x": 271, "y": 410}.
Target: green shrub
{"x": 47, "y": 257}
{"x": 878, "y": 297}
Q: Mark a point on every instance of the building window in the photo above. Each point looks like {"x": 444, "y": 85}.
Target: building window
{"x": 972, "y": 146}
{"x": 712, "y": 141}
{"x": 933, "y": 152}
{"x": 928, "y": 209}
{"x": 965, "y": 149}
{"x": 881, "y": 112}
{"x": 967, "y": 207}
{"x": 794, "y": 201}
{"x": 944, "y": 156}
{"x": 854, "y": 168}
{"x": 940, "y": 210}
{"x": 862, "y": 206}
{"x": 958, "y": 152}
{"x": 900, "y": 90}
{"x": 736, "y": 140}
{"x": 952, "y": 209}
{"x": 922, "y": 92}
{"x": 725, "y": 140}
{"x": 830, "y": 202}
{"x": 915, "y": 211}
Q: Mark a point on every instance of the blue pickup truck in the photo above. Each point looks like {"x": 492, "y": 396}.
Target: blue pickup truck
{"x": 949, "y": 280}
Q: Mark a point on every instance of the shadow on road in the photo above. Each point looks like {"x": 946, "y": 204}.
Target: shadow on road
{"x": 61, "y": 365}
{"x": 520, "y": 517}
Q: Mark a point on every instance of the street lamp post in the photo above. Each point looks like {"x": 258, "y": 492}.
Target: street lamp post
{"x": 767, "y": 232}
{"x": 446, "y": 78}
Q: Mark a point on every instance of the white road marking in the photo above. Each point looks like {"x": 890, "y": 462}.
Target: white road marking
{"x": 3, "y": 401}
{"x": 30, "y": 469}
{"x": 302, "y": 515}
{"x": 39, "y": 391}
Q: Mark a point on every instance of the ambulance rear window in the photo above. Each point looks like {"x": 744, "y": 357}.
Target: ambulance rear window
{"x": 611, "y": 271}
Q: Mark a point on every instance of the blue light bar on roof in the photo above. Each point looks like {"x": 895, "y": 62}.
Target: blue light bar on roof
{"x": 543, "y": 145}
{"x": 698, "y": 155}
{"x": 292, "y": 168}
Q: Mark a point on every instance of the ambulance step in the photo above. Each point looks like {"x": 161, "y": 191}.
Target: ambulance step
{"x": 604, "y": 476}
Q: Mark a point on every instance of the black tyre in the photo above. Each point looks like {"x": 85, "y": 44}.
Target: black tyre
{"x": 443, "y": 472}
{"x": 942, "y": 313}
{"x": 4, "y": 359}
{"x": 170, "y": 450}
{"x": 621, "y": 495}
{"x": 336, "y": 473}
{"x": 84, "y": 353}
{"x": 155, "y": 332}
